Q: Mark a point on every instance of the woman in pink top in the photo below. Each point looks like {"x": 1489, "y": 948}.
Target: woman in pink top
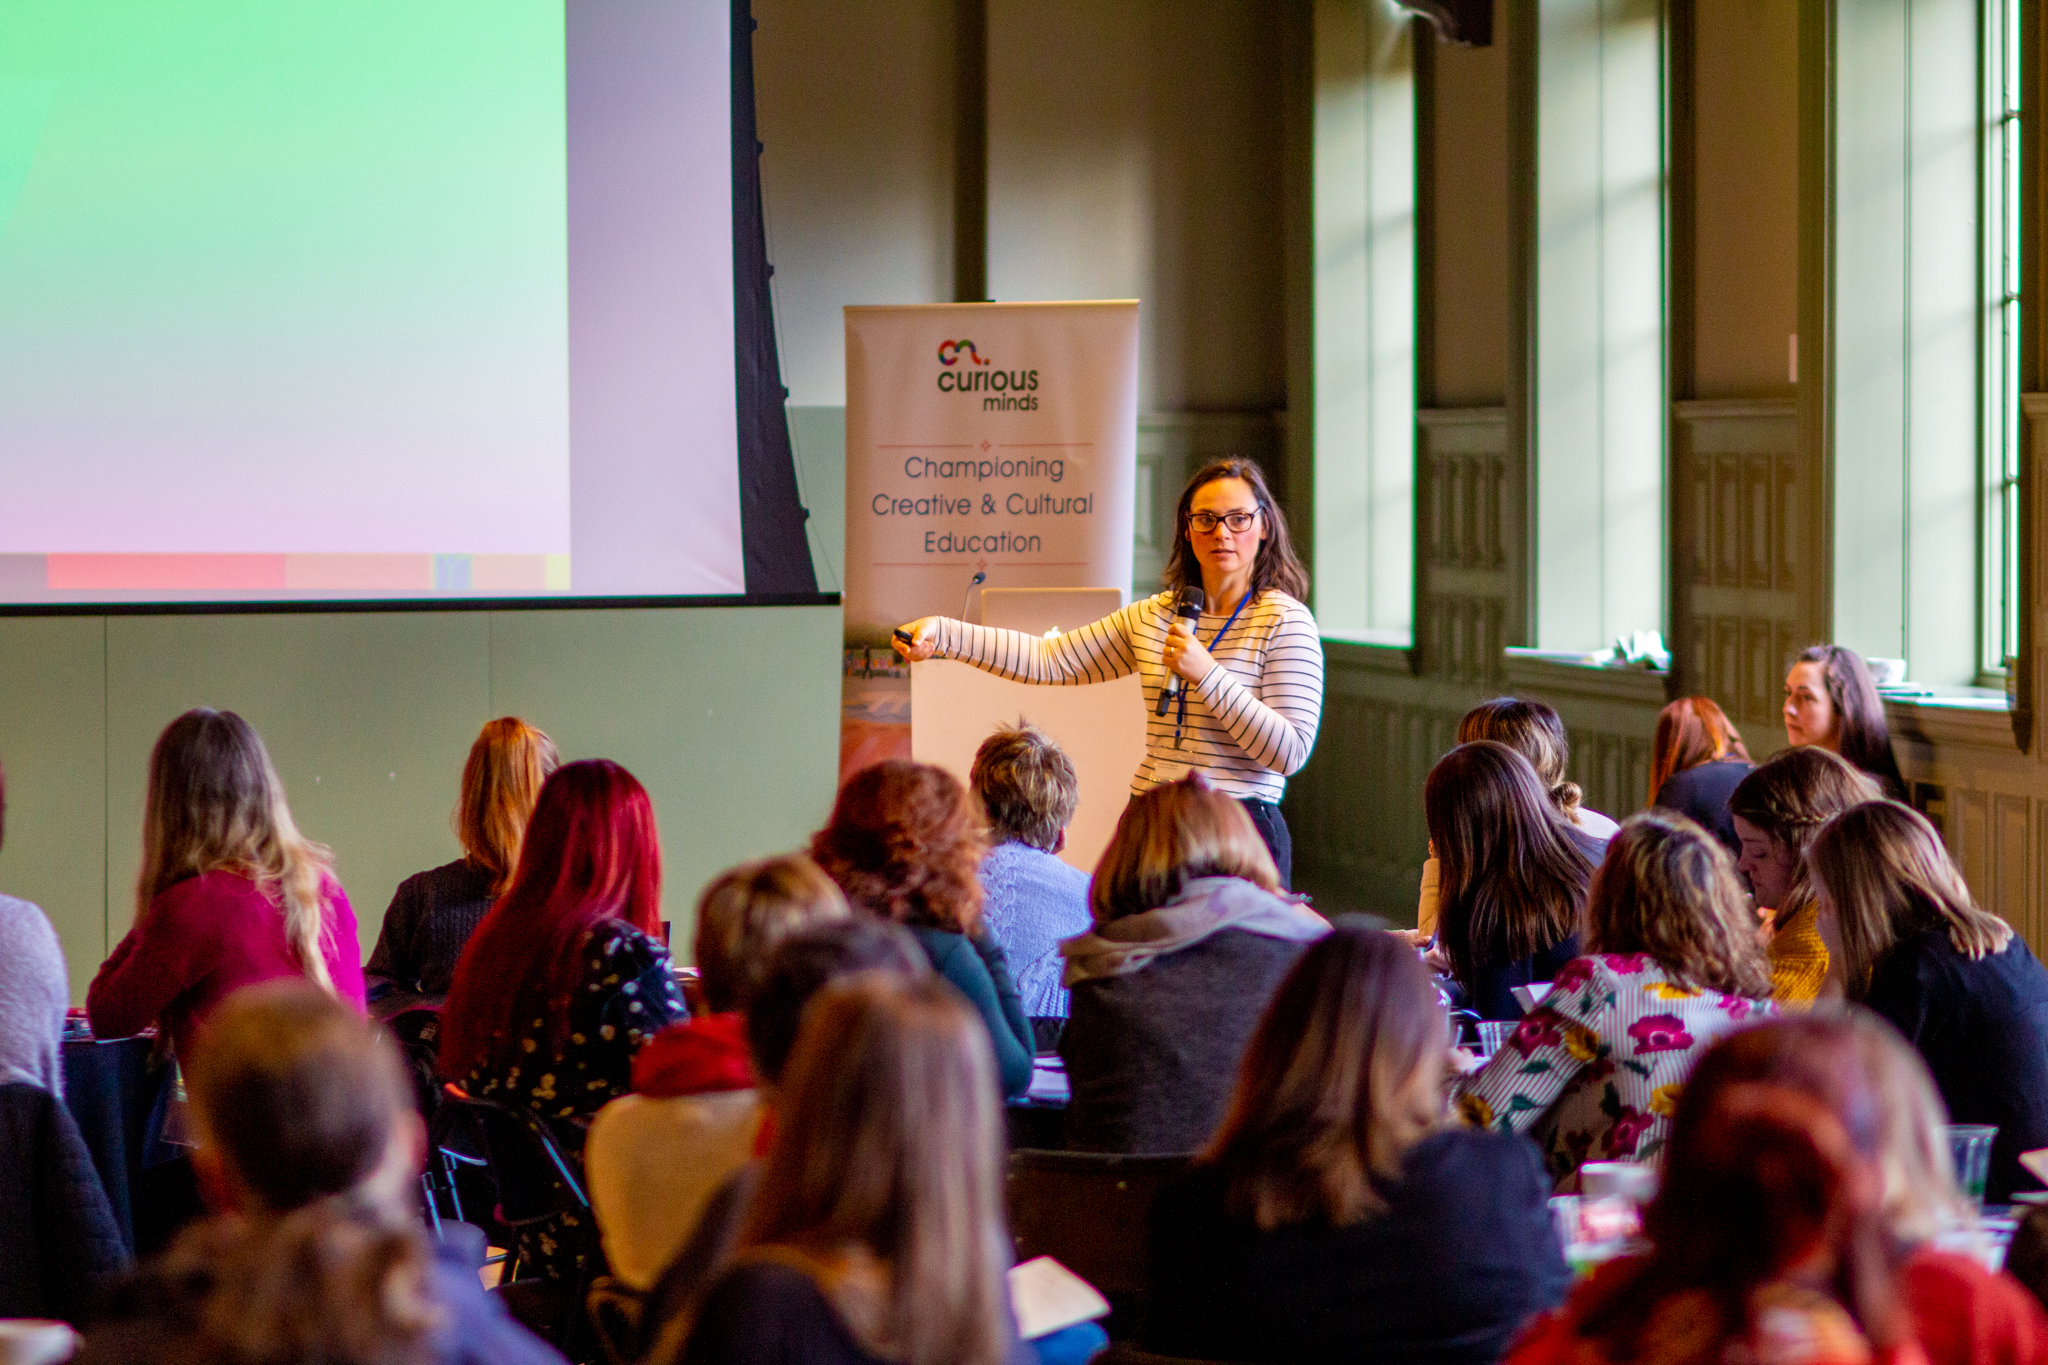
{"x": 230, "y": 893}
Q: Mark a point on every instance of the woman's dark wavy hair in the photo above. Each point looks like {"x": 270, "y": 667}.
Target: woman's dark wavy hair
{"x": 903, "y": 844}
{"x": 1864, "y": 737}
{"x": 1511, "y": 882}
{"x": 1277, "y": 566}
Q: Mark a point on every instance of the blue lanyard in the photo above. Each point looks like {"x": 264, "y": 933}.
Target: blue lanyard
{"x": 1180, "y": 720}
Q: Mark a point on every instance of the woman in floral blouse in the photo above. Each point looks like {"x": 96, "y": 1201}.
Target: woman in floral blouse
{"x": 1594, "y": 1071}
{"x": 565, "y": 978}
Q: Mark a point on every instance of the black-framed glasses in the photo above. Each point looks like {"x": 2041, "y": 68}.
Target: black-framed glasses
{"x": 1238, "y": 522}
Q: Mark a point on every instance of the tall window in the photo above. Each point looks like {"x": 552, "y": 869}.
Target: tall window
{"x": 2001, "y": 177}
{"x": 1364, "y": 320}
{"x": 1599, "y": 399}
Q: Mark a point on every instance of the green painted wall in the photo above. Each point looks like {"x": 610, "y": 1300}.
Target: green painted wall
{"x": 729, "y": 715}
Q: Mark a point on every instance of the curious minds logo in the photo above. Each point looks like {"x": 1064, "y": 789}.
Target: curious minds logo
{"x": 999, "y": 390}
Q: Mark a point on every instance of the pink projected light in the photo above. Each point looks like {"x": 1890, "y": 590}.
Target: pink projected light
{"x": 167, "y": 573}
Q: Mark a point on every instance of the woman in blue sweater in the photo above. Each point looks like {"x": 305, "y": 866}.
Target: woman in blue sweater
{"x": 903, "y": 845}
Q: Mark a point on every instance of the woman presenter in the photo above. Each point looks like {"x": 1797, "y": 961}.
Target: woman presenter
{"x": 1247, "y": 676}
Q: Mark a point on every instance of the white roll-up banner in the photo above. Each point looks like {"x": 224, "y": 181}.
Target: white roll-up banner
{"x": 981, "y": 438}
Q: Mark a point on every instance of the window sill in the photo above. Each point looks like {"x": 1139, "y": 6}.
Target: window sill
{"x": 1559, "y": 672}
{"x": 1970, "y": 717}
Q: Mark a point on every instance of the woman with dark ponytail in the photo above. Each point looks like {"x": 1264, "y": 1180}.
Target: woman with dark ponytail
{"x": 310, "y": 1153}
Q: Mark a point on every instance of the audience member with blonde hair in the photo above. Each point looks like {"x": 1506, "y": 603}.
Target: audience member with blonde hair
{"x": 1534, "y": 730}
{"x": 655, "y": 1156}
{"x": 1697, "y": 759}
{"x": 903, "y": 844}
{"x": 434, "y": 912}
{"x": 1949, "y": 975}
{"x": 230, "y": 892}
{"x": 1337, "y": 1214}
{"x": 1028, "y": 792}
{"x": 1191, "y": 936}
{"x": 1512, "y": 874}
{"x": 1672, "y": 964}
{"x": 310, "y": 1154}
{"x": 877, "y": 1230}
{"x": 1777, "y": 810}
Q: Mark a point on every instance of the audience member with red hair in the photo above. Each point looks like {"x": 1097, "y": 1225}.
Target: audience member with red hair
{"x": 903, "y": 844}
{"x": 1877, "y": 1087}
{"x": 1767, "y": 1245}
{"x": 565, "y": 978}
{"x": 1696, "y": 761}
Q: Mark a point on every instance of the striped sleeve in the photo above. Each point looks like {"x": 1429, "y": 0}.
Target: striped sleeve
{"x": 1093, "y": 653}
{"x": 1274, "y": 723}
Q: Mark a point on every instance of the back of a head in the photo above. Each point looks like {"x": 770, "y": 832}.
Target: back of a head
{"x": 902, "y": 844}
{"x": 1668, "y": 889}
{"x": 1865, "y": 737}
{"x": 591, "y": 854}
{"x": 1691, "y": 731}
{"x": 1875, "y": 1085}
{"x": 299, "y": 1099}
{"x": 1170, "y": 836}
{"x": 1026, "y": 785}
{"x": 296, "y": 1091}
{"x": 1511, "y": 881}
{"x": 215, "y": 803}
{"x": 1885, "y": 873}
{"x": 1761, "y": 1173}
{"x": 501, "y": 781}
{"x": 743, "y": 914}
{"x": 1343, "y": 1075}
{"x": 889, "y": 1143}
{"x": 804, "y": 963}
{"x": 1536, "y": 732}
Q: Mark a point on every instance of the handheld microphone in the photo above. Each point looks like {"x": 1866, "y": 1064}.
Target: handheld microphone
{"x": 1189, "y": 608}
{"x": 980, "y": 577}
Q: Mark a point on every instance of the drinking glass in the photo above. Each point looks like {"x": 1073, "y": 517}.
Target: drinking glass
{"x": 1492, "y": 1033}
{"x": 1969, "y": 1146}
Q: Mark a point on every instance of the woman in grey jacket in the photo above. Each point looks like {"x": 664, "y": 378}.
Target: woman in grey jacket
{"x": 1192, "y": 935}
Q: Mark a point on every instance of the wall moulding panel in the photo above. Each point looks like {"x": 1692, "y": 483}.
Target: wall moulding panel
{"x": 1744, "y": 544}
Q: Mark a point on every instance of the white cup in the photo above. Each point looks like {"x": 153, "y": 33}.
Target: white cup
{"x": 1634, "y": 1181}
{"x": 35, "y": 1341}
{"x": 1886, "y": 672}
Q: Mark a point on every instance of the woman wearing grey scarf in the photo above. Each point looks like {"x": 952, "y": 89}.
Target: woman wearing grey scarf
{"x": 1192, "y": 935}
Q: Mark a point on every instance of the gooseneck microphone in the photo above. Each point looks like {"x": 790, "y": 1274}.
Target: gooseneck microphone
{"x": 980, "y": 577}
{"x": 1188, "y": 608}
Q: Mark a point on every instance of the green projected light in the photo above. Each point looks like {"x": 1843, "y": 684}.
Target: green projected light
{"x": 223, "y": 223}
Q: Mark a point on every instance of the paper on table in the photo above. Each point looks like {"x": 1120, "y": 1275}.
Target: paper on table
{"x": 2036, "y": 1163}
{"x": 1530, "y": 996}
{"x": 1046, "y": 1296}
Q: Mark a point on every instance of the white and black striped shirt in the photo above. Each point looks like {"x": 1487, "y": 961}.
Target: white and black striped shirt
{"x": 1251, "y": 721}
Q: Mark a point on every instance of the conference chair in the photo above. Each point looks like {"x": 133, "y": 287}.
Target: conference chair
{"x": 1088, "y": 1211}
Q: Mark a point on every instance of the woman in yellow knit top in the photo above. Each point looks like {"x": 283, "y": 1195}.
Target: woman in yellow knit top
{"x": 1777, "y": 810}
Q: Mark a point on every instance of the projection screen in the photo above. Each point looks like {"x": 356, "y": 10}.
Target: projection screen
{"x": 371, "y": 299}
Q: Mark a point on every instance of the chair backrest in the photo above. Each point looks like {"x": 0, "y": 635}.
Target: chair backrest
{"x": 535, "y": 1178}
{"x": 1087, "y": 1210}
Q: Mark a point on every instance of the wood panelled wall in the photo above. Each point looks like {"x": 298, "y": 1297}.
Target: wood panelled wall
{"x": 1389, "y": 713}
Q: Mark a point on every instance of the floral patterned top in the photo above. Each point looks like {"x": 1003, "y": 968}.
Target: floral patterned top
{"x": 627, "y": 995}
{"x": 1593, "y": 1073}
